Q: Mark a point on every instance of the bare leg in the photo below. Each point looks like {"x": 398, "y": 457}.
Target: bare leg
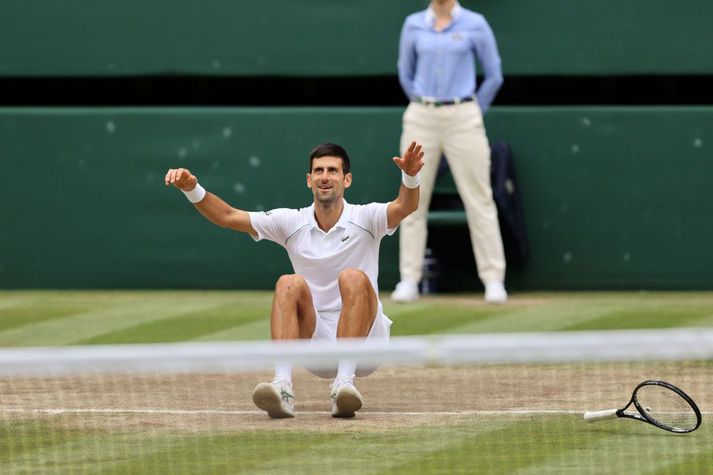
{"x": 293, "y": 317}
{"x": 293, "y": 314}
{"x": 359, "y": 304}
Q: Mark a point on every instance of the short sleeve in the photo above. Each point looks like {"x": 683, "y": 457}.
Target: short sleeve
{"x": 376, "y": 217}
{"x": 274, "y": 225}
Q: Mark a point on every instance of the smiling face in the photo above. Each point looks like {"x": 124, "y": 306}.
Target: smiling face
{"x": 327, "y": 180}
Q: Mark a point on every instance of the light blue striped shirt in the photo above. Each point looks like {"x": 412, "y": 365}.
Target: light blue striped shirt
{"x": 441, "y": 65}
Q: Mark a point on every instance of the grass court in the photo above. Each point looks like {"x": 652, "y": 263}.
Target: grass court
{"x": 475, "y": 419}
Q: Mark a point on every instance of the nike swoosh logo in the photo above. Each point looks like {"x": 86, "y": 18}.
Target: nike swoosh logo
{"x": 345, "y": 238}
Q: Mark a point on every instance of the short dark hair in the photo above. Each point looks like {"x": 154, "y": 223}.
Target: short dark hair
{"x": 328, "y": 149}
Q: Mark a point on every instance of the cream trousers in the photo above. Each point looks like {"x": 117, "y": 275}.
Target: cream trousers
{"x": 458, "y": 132}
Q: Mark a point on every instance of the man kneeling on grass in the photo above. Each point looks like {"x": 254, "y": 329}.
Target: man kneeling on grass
{"x": 334, "y": 250}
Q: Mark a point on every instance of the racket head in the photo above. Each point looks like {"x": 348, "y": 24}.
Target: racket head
{"x": 666, "y": 406}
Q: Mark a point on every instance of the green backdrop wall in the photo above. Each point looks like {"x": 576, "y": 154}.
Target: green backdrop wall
{"x": 350, "y": 38}
{"x": 614, "y": 197}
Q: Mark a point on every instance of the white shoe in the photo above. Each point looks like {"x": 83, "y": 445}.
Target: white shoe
{"x": 405, "y": 291}
{"x": 276, "y": 398}
{"x": 346, "y": 400}
{"x": 495, "y": 292}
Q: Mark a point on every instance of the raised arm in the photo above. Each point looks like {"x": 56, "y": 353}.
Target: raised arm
{"x": 407, "y": 201}
{"x": 209, "y": 205}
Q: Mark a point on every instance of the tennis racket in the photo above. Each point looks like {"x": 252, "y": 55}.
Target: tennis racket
{"x": 658, "y": 403}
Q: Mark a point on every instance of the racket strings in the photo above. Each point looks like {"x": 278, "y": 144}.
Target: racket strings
{"x": 666, "y": 407}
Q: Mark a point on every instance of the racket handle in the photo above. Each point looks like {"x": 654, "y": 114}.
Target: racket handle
{"x": 595, "y": 416}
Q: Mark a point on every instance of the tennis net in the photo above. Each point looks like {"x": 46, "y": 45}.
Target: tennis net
{"x": 490, "y": 403}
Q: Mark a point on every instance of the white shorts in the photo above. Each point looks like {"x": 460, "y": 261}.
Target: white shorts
{"x": 326, "y": 330}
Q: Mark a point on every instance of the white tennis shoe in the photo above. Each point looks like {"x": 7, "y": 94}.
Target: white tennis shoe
{"x": 405, "y": 291}
{"x": 346, "y": 400}
{"x": 277, "y": 398}
{"x": 495, "y": 292}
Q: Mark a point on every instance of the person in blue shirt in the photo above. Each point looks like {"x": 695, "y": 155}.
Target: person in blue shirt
{"x": 437, "y": 71}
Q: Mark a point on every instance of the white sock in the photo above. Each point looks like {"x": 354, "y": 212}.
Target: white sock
{"x": 283, "y": 371}
{"x": 346, "y": 371}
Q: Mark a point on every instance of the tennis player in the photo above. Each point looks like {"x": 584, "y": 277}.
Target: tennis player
{"x": 334, "y": 250}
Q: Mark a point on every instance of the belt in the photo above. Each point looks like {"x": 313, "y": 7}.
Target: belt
{"x": 432, "y": 102}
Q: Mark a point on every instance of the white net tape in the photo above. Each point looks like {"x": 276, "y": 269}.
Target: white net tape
{"x": 600, "y": 346}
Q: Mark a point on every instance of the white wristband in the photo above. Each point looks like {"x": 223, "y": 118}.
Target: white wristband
{"x": 410, "y": 181}
{"x": 196, "y": 194}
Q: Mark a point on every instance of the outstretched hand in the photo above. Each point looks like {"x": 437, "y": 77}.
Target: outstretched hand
{"x": 412, "y": 161}
{"x": 181, "y": 178}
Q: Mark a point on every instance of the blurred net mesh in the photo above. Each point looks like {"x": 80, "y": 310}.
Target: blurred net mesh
{"x": 508, "y": 403}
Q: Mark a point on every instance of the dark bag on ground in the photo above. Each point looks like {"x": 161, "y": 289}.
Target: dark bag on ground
{"x": 508, "y": 200}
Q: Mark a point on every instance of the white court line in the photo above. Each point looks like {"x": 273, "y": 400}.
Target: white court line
{"x": 219, "y": 412}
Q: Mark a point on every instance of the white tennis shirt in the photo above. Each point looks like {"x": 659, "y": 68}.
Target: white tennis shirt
{"x": 320, "y": 256}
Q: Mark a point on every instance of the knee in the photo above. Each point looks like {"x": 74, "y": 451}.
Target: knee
{"x": 290, "y": 285}
{"x": 353, "y": 281}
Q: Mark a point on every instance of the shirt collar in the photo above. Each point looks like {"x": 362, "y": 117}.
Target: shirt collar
{"x": 341, "y": 223}
{"x": 431, "y": 15}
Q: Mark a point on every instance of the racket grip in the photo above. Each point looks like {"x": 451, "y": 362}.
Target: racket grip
{"x": 595, "y": 416}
